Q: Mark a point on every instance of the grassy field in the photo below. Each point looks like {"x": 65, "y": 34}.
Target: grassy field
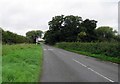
{"x": 21, "y": 63}
{"x": 0, "y": 63}
{"x": 103, "y": 51}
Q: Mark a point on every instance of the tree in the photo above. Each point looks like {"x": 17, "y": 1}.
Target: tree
{"x": 12, "y": 38}
{"x": 56, "y": 23}
{"x": 72, "y": 26}
{"x": 81, "y": 37}
{"x": 105, "y": 33}
{"x": 32, "y": 35}
{"x": 117, "y": 38}
{"x": 63, "y": 28}
{"x": 88, "y": 26}
{"x": 1, "y": 30}
{"x": 50, "y": 37}
{"x": 70, "y": 29}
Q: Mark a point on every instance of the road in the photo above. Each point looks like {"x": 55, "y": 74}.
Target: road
{"x": 64, "y": 66}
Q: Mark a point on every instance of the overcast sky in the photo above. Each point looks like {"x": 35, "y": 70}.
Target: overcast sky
{"x": 20, "y": 16}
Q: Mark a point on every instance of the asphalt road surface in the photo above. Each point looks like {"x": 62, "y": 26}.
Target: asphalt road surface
{"x": 64, "y": 66}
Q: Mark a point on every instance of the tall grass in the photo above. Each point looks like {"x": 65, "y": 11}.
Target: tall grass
{"x": 105, "y": 51}
{"x": 0, "y": 62}
{"x": 21, "y": 63}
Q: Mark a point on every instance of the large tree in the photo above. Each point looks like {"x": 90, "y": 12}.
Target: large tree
{"x": 70, "y": 29}
{"x": 63, "y": 28}
{"x": 32, "y": 35}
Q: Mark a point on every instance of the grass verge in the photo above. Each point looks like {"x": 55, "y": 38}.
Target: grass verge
{"x": 0, "y": 63}
{"x": 21, "y": 63}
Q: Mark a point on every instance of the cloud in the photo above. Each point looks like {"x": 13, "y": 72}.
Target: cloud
{"x": 21, "y": 16}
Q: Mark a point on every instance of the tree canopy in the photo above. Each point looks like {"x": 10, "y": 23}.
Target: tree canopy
{"x": 73, "y": 28}
{"x": 67, "y": 28}
{"x": 32, "y": 35}
{"x": 105, "y": 33}
{"x": 12, "y": 38}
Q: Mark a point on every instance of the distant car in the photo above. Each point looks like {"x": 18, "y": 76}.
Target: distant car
{"x": 38, "y": 40}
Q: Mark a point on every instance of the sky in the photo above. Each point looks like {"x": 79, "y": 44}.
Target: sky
{"x": 21, "y": 16}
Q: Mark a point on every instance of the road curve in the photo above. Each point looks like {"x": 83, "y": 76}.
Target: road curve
{"x": 64, "y": 66}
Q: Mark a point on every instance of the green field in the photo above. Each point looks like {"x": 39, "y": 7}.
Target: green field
{"x": 21, "y": 63}
{"x": 103, "y": 51}
{"x": 0, "y": 63}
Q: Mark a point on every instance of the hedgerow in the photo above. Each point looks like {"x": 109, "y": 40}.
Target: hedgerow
{"x": 104, "y": 48}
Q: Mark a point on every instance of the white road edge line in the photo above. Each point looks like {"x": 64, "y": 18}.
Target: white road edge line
{"x": 93, "y": 71}
{"x": 79, "y": 63}
{"x": 50, "y": 49}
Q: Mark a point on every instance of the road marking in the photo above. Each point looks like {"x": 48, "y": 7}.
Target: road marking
{"x": 101, "y": 75}
{"x": 94, "y": 71}
{"x": 79, "y": 63}
{"x": 45, "y": 49}
{"x": 50, "y": 49}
